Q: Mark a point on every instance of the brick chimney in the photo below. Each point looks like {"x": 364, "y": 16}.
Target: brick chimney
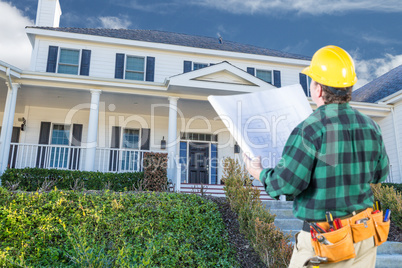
{"x": 48, "y": 13}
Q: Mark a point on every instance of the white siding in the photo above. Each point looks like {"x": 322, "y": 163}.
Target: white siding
{"x": 167, "y": 64}
{"x": 390, "y": 136}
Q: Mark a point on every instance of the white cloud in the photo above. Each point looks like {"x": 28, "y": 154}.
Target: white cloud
{"x": 368, "y": 70}
{"x": 15, "y": 48}
{"x": 315, "y": 7}
{"x": 120, "y": 22}
{"x": 115, "y": 22}
{"x": 161, "y": 7}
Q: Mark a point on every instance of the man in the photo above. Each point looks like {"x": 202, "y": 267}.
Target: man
{"x": 330, "y": 158}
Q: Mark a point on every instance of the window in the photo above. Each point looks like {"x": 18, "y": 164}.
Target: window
{"x": 197, "y": 66}
{"x": 131, "y": 138}
{"x": 264, "y": 75}
{"x": 305, "y": 81}
{"x": 59, "y": 154}
{"x": 69, "y": 61}
{"x": 198, "y": 137}
{"x": 135, "y": 68}
{"x": 130, "y": 159}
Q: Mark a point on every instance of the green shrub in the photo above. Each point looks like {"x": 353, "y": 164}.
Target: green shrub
{"x": 256, "y": 223}
{"x": 396, "y": 186}
{"x": 109, "y": 229}
{"x": 34, "y": 179}
{"x": 391, "y": 199}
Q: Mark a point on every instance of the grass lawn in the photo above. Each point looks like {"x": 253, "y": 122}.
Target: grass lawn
{"x": 107, "y": 229}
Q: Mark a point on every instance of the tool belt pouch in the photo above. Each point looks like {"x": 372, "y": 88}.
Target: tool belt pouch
{"x": 362, "y": 230}
{"x": 339, "y": 248}
{"x": 381, "y": 228}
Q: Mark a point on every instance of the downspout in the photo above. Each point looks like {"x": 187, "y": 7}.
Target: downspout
{"x": 9, "y": 76}
{"x": 397, "y": 143}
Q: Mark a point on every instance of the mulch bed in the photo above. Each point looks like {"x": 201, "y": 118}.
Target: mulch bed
{"x": 246, "y": 255}
{"x": 395, "y": 233}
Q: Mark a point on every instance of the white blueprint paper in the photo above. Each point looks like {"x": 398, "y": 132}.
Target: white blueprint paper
{"x": 261, "y": 122}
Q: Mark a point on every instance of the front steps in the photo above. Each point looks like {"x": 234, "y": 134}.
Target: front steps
{"x": 389, "y": 254}
{"x": 215, "y": 190}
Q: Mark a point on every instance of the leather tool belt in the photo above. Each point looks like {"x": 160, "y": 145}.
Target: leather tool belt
{"x": 337, "y": 245}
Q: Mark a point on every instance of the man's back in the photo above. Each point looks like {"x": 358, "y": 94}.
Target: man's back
{"x": 349, "y": 155}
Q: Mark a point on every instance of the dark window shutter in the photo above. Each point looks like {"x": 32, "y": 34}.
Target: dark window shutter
{"x": 150, "y": 69}
{"x": 114, "y": 154}
{"x": 52, "y": 59}
{"x": 251, "y": 71}
{"x": 303, "y": 82}
{"x": 277, "y": 78}
{"x": 187, "y": 66}
{"x": 77, "y": 135}
{"x": 145, "y": 138}
{"x": 85, "y": 62}
{"x": 44, "y": 135}
{"x": 119, "y": 70}
{"x": 15, "y": 138}
{"x": 76, "y": 152}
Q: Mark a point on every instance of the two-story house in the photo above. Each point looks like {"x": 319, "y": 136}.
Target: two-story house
{"x": 97, "y": 99}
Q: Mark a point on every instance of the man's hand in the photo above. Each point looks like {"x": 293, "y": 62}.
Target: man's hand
{"x": 253, "y": 165}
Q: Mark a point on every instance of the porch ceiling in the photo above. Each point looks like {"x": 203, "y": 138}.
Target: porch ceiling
{"x": 64, "y": 98}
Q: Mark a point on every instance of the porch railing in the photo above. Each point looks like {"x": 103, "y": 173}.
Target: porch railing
{"x": 46, "y": 156}
{"x": 72, "y": 157}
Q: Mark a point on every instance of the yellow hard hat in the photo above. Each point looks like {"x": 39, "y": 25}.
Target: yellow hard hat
{"x": 332, "y": 66}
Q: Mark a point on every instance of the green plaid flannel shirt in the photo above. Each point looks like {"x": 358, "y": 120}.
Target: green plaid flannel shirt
{"x": 328, "y": 163}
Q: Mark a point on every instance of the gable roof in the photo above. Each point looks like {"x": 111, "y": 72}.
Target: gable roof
{"x": 219, "y": 79}
{"x": 177, "y": 39}
{"x": 380, "y": 87}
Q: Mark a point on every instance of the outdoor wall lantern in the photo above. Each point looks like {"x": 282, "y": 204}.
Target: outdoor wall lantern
{"x": 236, "y": 148}
{"x": 163, "y": 143}
{"x": 24, "y": 122}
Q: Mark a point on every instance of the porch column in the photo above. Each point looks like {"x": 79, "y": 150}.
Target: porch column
{"x": 92, "y": 137}
{"x": 172, "y": 140}
{"x": 8, "y": 122}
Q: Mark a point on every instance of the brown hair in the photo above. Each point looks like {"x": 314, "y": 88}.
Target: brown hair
{"x": 330, "y": 97}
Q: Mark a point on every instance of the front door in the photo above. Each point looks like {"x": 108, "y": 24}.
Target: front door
{"x": 199, "y": 162}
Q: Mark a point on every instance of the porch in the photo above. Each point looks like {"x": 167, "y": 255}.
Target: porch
{"x": 24, "y": 155}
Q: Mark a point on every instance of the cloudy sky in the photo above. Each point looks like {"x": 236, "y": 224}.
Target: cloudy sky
{"x": 370, "y": 30}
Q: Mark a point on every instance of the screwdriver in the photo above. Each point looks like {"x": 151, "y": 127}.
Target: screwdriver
{"x": 330, "y": 220}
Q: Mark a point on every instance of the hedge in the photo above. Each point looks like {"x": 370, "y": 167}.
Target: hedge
{"x": 109, "y": 229}
{"x": 34, "y": 179}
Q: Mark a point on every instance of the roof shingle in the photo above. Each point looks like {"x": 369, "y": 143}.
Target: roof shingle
{"x": 177, "y": 39}
{"x": 380, "y": 87}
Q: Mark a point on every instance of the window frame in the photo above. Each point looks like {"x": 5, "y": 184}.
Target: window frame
{"x": 53, "y": 150}
{"x": 69, "y": 134}
{"x": 265, "y": 70}
{"x": 79, "y": 60}
{"x": 132, "y": 71}
{"x": 122, "y": 139}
